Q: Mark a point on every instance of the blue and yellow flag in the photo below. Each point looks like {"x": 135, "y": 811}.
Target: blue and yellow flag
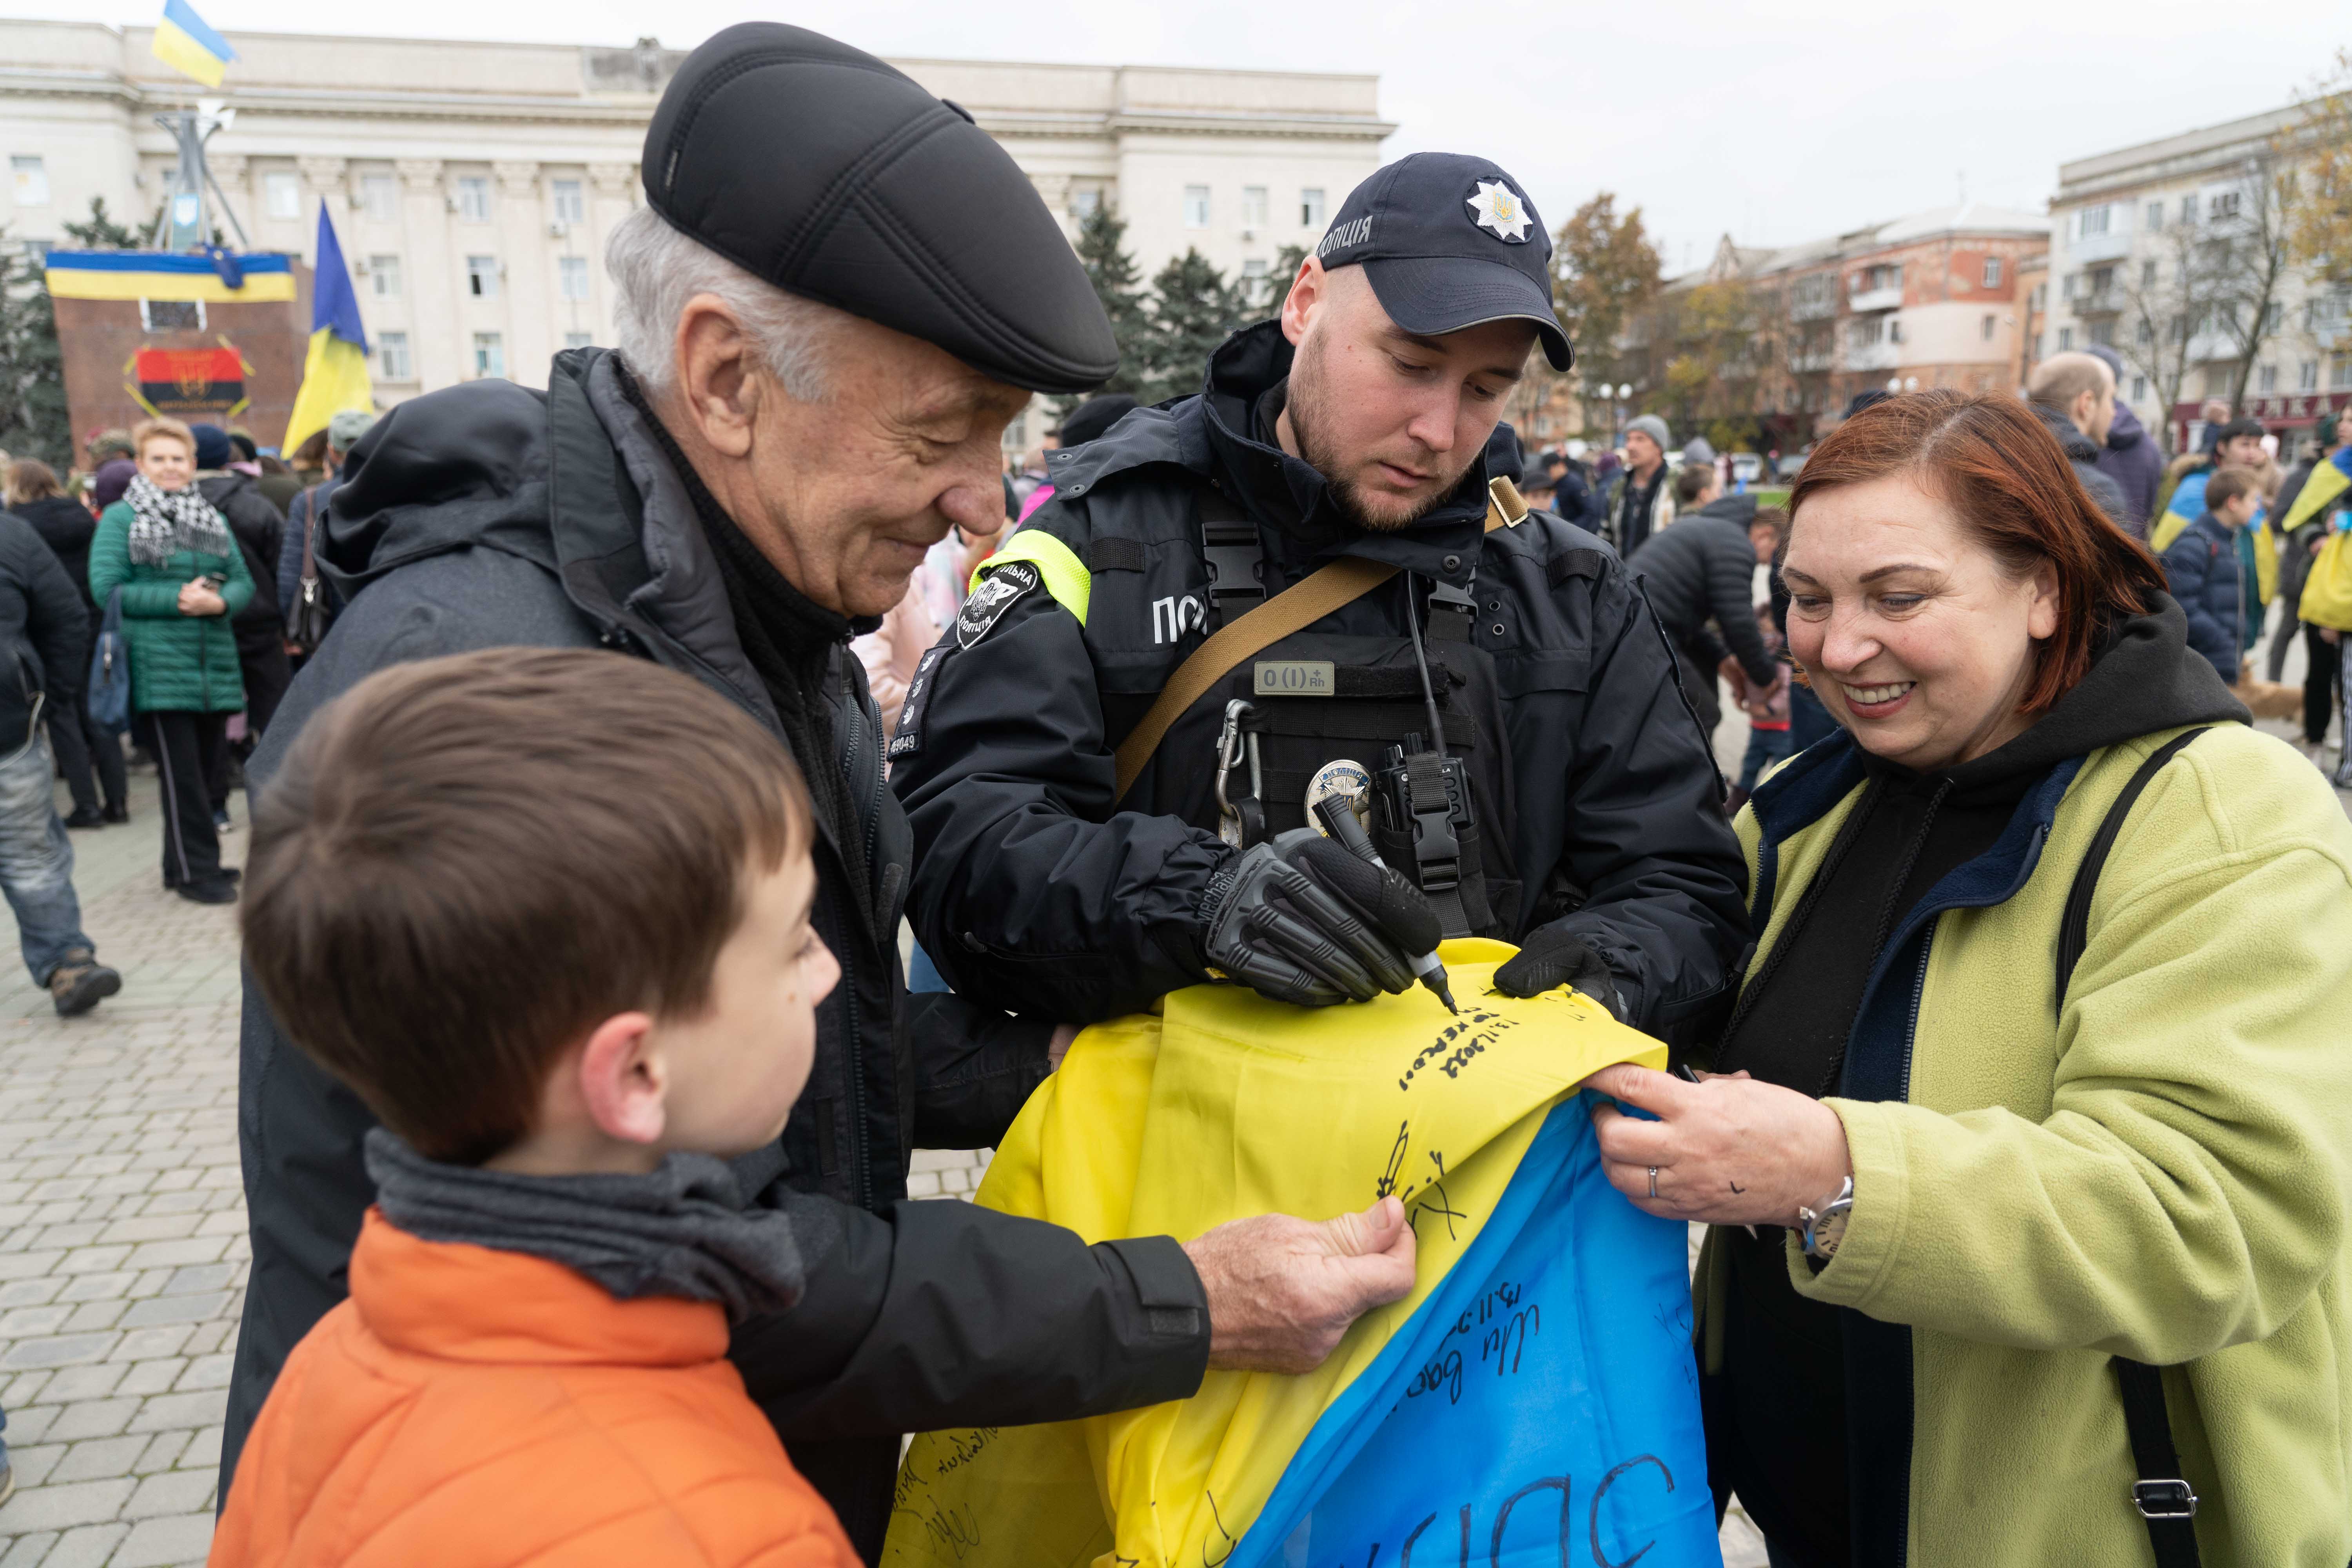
{"x": 1533, "y": 1401}
{"x": 215, "y": 277}
{"x": 335, "y": 374}
{"x": 186, "y": 42}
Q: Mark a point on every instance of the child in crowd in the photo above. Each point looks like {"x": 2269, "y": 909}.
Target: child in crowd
{"x": 548, "y": 912}
{"x": 1768, "y": 714}
{"x": 2205, "y": 572}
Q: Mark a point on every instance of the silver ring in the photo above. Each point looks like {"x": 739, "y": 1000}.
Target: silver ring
{"x": 1653, "y": 1181}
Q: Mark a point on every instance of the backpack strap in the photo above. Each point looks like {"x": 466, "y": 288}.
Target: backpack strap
{"x": 2161, "y": 1496}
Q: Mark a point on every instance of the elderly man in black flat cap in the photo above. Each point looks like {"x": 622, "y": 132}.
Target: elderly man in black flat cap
{"x": 838, "y": 293}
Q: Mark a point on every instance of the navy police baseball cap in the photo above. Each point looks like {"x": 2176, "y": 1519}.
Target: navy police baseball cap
{"x": 1449, "y": 241}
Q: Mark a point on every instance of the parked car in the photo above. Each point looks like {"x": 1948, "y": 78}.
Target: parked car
{"x": 1746, "y": 468}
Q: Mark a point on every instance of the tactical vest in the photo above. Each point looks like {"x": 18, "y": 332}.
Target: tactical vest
{"x": 1242, "y": 761}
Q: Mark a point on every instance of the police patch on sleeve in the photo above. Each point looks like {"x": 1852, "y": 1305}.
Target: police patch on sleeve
{"x": 996, "y": 595}
{"x": 908, "y": 739}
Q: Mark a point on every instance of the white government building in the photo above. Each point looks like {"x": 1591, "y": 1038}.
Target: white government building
{"x": 472, "y": 185}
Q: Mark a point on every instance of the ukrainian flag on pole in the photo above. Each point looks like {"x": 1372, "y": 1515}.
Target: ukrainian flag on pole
{"x": 335, "y": 375}
{"x": 186, "y": 42}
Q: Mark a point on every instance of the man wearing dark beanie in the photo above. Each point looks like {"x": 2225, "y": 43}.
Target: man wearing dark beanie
{"x": 838, "y": 293}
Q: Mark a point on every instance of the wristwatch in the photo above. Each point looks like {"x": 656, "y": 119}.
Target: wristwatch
{"x": 1821, "y": 1229}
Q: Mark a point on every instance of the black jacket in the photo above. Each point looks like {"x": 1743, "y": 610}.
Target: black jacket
{"x": 2201, "y": 568}
{"x": 1704, "y": 569}
{"x": 487, "y": 515}
{"x": 2082, "y": 454}
{"x": 65, "y": 526}
{"x": 44, "y": 631}
{"x": 258, "y": 528}
{"x": 1032, "y": 891}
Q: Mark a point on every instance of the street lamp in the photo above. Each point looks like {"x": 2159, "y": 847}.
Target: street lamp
{"x": 1624, "y": 391}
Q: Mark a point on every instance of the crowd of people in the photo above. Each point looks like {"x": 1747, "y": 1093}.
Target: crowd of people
{"x": 580, "y": 1078}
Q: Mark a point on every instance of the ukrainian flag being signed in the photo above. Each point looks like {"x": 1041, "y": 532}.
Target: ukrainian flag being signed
{"x": 1533, "y": 1401}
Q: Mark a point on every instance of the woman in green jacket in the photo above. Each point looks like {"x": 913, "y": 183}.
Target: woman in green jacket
{"x": 1971, "y": 1204}
{"x": 182, "y": 577}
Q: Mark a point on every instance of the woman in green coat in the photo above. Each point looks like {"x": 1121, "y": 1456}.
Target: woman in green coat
{"x": 2028, "y": 1248}
{"x": 181, "y": 576}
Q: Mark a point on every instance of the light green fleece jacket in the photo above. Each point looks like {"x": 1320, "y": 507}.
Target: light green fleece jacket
{"x": 2161, "y": 1172}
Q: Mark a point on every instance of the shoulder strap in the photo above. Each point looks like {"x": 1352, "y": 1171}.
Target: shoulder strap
{"x": 2161, "y": 1496}
{"x": 1296, "y": 608}
{"x": 310, "y": 499}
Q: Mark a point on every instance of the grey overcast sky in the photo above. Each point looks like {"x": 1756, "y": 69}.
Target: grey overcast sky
{"x": 1775, "y": 122}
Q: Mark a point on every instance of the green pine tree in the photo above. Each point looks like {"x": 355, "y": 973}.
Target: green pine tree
{"x": 101, "y": 232}
{"x": 1102, "y": 238}
{"x": 33, "y": 422}
{"x": 1193, "y": 309}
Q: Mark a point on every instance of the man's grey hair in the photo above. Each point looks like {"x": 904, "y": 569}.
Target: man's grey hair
{"x": 656, "y": 271}
{"x": 2062, "y": 378}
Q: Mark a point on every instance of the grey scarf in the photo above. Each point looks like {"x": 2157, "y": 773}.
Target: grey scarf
{"x": 680, "y": 1231}
{"x": 167, "y": 522}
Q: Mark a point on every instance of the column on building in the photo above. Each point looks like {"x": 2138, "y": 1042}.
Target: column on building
{"x": 323, "y": 180}
{"x": 612, "y": 194}
{"x": 522, "y": 218}
{"x": 440, "y": 344}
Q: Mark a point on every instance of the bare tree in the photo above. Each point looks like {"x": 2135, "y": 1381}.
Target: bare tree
{"x": 2249, "y": 244}
{"x": 2163, "y": 301}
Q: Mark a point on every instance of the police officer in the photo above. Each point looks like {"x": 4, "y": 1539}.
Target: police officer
{"x": 1496, "y": 704}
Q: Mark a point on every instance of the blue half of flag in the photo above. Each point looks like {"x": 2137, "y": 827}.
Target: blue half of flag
{"x": 334, "y": 303}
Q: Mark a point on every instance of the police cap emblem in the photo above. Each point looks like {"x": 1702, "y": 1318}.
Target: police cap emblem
{"x": 1497, "y": 208}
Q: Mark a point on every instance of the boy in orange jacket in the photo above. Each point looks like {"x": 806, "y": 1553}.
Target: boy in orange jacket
{"x": 548, "y": 912}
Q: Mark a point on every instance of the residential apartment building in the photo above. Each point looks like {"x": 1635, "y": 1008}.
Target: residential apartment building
{"x": 472, "y": 185}
{"x": 1787, "y": 335}
{"x": 2155, "y": 251}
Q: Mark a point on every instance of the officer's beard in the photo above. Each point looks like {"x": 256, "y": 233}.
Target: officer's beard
{"x": 1307, "y": 408}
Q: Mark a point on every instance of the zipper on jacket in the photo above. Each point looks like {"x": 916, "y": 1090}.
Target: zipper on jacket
{"x": 861, "y": 1156}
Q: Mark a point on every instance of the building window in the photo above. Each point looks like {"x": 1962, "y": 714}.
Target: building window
{"x": 2339, "y": 372}
{"x": 2223, "y": 205}
{"x": 489, "y": 354}
{"x": 32, "y": 180}
{"x": 391, "y": 355}
{"x": 2065, "y": 339}
{"x": 282, "y": 194}
{"x": 1310, "y": 207}
{"x": 2104, "y": 333}
{"x": 378, "y": 195}
{"x": 1893, "y": 330}
{"x": 2272, "y": 314}
{"x": 572, "y": 277}
{"x": 2306, "y": 377}
{"x": 1985, "y": 329}
{"x": 2218, "y": 378}
{"x": 2266, "y": 378}
{"x": 2066, "y": 285}
{"x": 1253, "y": 207}
{"x": 474, "y": 198}
{"x": 2102, "y": 280}
{"x": 2145, "y": 333}
{"x": 2139, "y": 389}
{"x": 578, "y": 340}
{"x": 1085, "y": 201}
{"x": 482, "y": 276}
{"x": 2189, "y": 209}
{"x": 2147, "y": 274}
{"x": 2176, "y": 328}
{"x": 570, "y": 206}
{"x": 2155, "y": 217}
{"x": 1992, "y": 272}
{"x": 1196, "y": 206}
{"x": 385, "y": 271}
{"x": 2094, "y": 221}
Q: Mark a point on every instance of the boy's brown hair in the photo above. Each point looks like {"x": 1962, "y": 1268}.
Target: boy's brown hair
{"x": 466, "y": 863}
{"x": 2228, "y": 484}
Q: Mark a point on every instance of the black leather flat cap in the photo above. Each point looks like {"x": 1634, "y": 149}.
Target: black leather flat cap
{"x": 827, "y": 173}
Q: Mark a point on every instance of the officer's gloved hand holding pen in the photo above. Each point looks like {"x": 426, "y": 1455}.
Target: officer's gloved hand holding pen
{"x": 1302, "y": 921}
{"x": 1551, "y": 957}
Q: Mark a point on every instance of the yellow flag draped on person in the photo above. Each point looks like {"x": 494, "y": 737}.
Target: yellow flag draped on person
{"x": 335, "y": 373}
{"x": 1535, "y": 1392}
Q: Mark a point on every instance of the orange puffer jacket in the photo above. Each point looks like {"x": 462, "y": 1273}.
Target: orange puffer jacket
{"x": 472, "y": 1409}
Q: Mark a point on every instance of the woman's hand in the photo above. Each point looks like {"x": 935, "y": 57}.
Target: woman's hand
{"x": 197, "y": 597}
{"x": 1729, "y": 1150}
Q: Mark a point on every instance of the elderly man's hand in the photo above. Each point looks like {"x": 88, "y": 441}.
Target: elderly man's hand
{"x": 1282, "y": 1291}
{"x": 1727, "y": 1150}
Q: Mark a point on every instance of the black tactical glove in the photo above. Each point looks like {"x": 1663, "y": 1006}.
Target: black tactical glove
{"x": 1302, "y": 921}
{"x": 1552, "y": 957}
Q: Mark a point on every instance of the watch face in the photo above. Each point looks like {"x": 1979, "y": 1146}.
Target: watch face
{"x": 1829, "y": 1230}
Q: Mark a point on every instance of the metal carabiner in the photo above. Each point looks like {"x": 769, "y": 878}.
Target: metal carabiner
{"x": 1232, "y": 746}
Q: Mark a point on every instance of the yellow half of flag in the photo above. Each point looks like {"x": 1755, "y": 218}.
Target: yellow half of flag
{"x": 187, "y": 43}
{"x": 334, "y": 378}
